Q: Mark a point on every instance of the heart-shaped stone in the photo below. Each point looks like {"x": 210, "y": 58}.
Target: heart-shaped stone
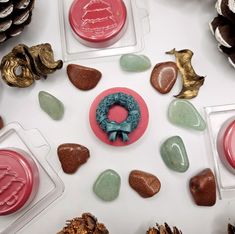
{"x": 84, "y": 78}
{"x": 203, "y": 188}
{"x": 163, "y": 76}
{"x": 144, "y": 183}
{"x": 72, "y": 156}
{"x": 1, "y": 123}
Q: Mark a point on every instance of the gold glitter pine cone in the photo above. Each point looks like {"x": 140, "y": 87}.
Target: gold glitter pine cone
{"x": 87, "y": 224}
{"x": 14, "y": 16}
{"x": 163, "y": 229}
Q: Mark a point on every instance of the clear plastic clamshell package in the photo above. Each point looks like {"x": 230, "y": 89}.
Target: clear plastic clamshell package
{"x": 99, "y": 28}
{"x": 221, "y": 132}
{"x": 28, "y": 182}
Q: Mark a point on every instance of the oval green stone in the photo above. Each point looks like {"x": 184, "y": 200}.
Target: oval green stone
{"x": 174, "y": 154}
{"x": 184, "y": 114}
{"x": 134, "y": 63}
{"x": 51, "y": 105}
{"x": 107, "y": 185}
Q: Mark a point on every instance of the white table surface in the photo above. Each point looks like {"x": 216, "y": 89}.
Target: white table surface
{"x": 173, "y": 23}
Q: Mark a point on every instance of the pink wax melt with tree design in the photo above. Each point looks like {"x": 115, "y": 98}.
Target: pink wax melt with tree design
{"x": 98, "y": 23}
{"x": 226, "y": 144}
{"x": 19, "y": 180}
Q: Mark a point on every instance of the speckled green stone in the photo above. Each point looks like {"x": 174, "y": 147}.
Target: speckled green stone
{"x": 174, "y": 154}
{"x": 107, "y": 185}
{"x": 51, "y": 105}
{"x": 134, "y": 63}
{"x": 184, "y": 114}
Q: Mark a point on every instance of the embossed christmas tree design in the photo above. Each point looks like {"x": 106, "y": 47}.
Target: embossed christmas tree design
{"x": 10, "y": 186}
{"x": 98, "y": 17}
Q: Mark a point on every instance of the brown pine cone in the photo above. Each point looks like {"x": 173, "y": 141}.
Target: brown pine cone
{"x": 231, "y": 229}
{"x": 87, "y": 224}
{"x": 163, "y": 229}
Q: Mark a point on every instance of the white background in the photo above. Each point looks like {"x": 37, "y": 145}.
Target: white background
{"x": 176, "y": 24}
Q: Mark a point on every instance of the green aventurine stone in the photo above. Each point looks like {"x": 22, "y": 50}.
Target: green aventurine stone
{"x": 51, "y": 105}
{"x": 134, "y": 63}
{"x": 174, "y": 154}
{"x": 107, "y": 185}
{"x": 184, "y": 114}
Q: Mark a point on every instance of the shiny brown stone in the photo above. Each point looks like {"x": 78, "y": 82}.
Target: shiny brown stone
{"x": 163, "y": 76}
{"x": 146, "y": 184}
{"x": 84, "y": 78}
{"x": 72, "y": 156}
{"x": 203, "y": 188}
{"x": 1, "y": 123}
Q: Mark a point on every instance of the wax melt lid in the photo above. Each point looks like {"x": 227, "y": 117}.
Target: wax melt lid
{"x": 119, "y": 114}
{"x": 228, "y": 144}
{"x": 97, "y": 21}
{"x": 16, "y": 181}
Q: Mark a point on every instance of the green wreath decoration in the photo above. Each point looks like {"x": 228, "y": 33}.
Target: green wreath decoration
{"x": 112, "y": 128}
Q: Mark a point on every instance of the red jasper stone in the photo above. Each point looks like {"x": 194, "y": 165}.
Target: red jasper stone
{"x": 98, "y": 23}
{"x": 203, "y": 188}
{"x": 1, "y": 123}
{"x": 19, "y": 180}
{"x": 163, "y": 76}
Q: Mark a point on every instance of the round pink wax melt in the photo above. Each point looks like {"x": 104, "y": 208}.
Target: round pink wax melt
{"x": 226, "y": 144}
{"x": 19, "y": 180}
{"x": 119, "y": 114}
{"x": 98, "y": 23}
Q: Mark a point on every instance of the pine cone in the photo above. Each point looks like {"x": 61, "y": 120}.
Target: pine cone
{"x": 163, "y": 229}
{"x": 87, "y": 224}
{"x": 223, "y": 28}
{"x": 14, "y": 15}
{"x": 231, "y": 229}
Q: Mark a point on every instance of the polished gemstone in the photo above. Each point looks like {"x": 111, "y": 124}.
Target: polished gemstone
{"x": 107, "y": 185}
{"x": 174, "y": 154}
{"x": 134, "y": 63}
{"x": 72, "y": 156}
{"x": 51, "y": 105}
{"x": 1, "y": 123}
{"x": 184, "y": 114}
{"x": 163, "y": 76}
{"x": 84, "y": 78}
{"x": 144, "y": 183}
{"x": 203, "y": 188}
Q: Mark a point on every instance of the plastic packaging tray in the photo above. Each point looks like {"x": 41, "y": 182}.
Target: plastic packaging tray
{"x": 216, "y": 117}
{"x": 32, "y": 142}
{"x": 132, "y": 40}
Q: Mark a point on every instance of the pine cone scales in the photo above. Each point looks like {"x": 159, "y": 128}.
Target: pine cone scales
{"x": 87, "y": 224}
{"x": 14, "y": 16}
{"x": 163, "y": 229}
{"x": 223, "y": 28}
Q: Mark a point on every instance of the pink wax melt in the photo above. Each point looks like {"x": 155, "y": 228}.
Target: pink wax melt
{"x": 19, "y": 180}
{"x": 98, "y": 23}
{"x": 226, "y": 144}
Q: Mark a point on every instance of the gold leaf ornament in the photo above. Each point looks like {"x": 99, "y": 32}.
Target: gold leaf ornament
{"x": 191, "y": 81}
{"x": 25, "y": 64}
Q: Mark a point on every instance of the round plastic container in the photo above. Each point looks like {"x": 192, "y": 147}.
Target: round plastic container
{"x": 19, "y": 180}
{"x": 98, "y": 23}
{"x": 226, "y": 144}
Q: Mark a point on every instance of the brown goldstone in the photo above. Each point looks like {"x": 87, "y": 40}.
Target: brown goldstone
{"x": 144, "y": 183}
{"x": 84, "y": 78}
{"x": 72, "y": 156}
